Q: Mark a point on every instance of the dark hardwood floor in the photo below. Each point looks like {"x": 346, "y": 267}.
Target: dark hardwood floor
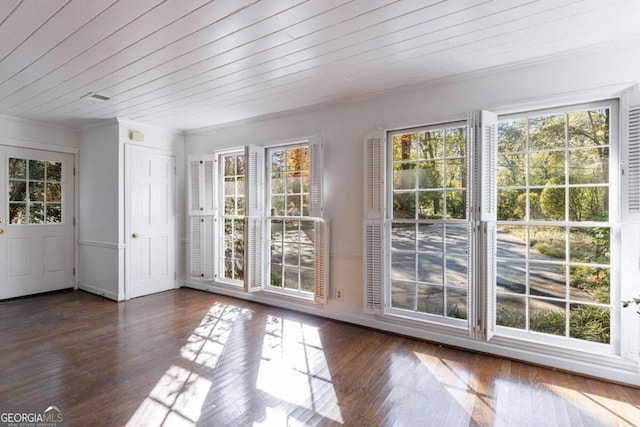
{"x": 187, "y": 357}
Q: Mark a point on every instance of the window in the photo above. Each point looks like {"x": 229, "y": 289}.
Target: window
{"x": 231, "y": 216}
{"x": 502, "y": 225}
{"x": 258, "y": 204}
{"x": 291, "y": 231}
{"x": 35, "y": 192}
{"x": 555, "y": 213}
{"x": 429, "y": 222}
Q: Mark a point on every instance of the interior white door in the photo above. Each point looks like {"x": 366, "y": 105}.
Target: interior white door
{"x": 151, "y": 222}
{"x": 36, "y": 221}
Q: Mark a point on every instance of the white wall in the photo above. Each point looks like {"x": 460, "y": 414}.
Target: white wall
{"x": 102, "y": 245}
{"x": 572, "y": 79}
{"x": 26, "y": 133}
{"x": 98, "y": 220}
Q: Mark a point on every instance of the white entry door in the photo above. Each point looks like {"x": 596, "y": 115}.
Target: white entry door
{"x": 151, "y": 222}
{"x": 36, "y": 221}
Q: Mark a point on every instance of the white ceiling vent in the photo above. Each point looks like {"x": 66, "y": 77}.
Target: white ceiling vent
{"x": 95, "y": 97}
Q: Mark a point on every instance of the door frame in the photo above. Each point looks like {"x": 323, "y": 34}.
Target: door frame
{"x": 74, "y": 151}
{"x": 126, "y": 212}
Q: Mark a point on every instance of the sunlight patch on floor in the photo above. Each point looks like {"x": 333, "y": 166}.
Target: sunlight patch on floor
{"x": 176, "y": 400}
{"x": 179, "y": 396}
{"x": 294, "y": 369}
{"x": 206, "y": 343}
{"x": 461, "y": 385}
{"x": 605, "y": 410}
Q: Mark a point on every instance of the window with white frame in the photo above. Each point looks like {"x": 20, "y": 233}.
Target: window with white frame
{"x": 291, "y": 232}
{"x": 429, "y": 222}
{"x": 556, "y": 209}
{"x": 502, "y": 224}
{"x": 231, "y": 213}
{"x": 285, "y": 223}
{"x": 35, "y": 191}
{"x": 269, "y": 207}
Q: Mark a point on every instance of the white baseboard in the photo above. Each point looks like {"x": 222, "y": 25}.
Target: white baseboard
{"x": 101, "y": 292}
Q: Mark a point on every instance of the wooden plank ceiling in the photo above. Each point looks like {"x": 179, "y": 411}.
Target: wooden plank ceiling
{"x": 188, "y": 64}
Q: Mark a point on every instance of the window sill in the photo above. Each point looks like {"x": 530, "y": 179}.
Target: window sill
{"x": 293, "y": 295}
{"x": 265, "y": 295}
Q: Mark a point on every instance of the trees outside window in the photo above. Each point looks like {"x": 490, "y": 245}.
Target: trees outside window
{"x": 232, "y": 212}
{"x": 291, "y": 231}
{"x": 429, "y": 227}
{"x": 554, "y": 224}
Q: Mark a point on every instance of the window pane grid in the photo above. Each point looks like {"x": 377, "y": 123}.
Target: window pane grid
{"x": 429, "y": 200}
{"x": 554, "y": 230}
{"x": 291, "y": 231}
{"x": 232, "y": 171}
{"x": 289, "y": 181}
{"x": 35, "y": 192}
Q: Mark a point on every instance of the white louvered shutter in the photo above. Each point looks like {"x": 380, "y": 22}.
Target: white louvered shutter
{"x": 321, "y": 262}
{"x": 373, "y": 226}
{"x": 202, "y": 256}
{"x": 472, "y": 284}
{"x": 316, "y": 157}
{"x": 374, "y": 154}
{"x": 373, "y": 266}
{"x": 194, "y": 185}
{"x": 201, "y": 183}
{"x": 195, "y": 231}
{"x": 201, "y": 191}
{"x": 489, "y": 275}
{"x": 631, "y": 158}
{"x": 486, "y": 152}
{"x": 630, "y": 221}
{"x": 254, "y": 219}
{"x": 208, "y": 192}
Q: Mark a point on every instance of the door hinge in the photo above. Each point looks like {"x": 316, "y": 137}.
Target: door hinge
{"x": 175, "y": 275}
{"x": 74, "y": 171}
{"x": 74, "y": 222}
{"x": 74, "y": 271}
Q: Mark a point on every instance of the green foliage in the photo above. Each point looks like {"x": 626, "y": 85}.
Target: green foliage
{"x": 586, "y": 133}
{"x": 602, "y": 242}
{"x": 586, "y": 322}
{"x": 512, "y": 319}
{"x": 590, "y": 323}
{"x": 455, "y": 311}
{"x": 433, "y": 164}
{"x": 552, "y": 200}
{"x": 594, "y": 281}
{"x": 548, "y": 322}
{"x": 547, "y": 249}
{"x": 509, "y": 207}
{"x": 521, "y": 205}
{"x": 548, "y": 241}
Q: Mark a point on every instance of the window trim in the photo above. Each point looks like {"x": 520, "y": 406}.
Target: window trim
{"x": 27, "y": 203}
{"x": 268, "y": 217}
{"x": 583, "y": 347}
{"x": 615, "y": 196}
{"x": 429, "y": 318}
{"x": 219, "y": 217}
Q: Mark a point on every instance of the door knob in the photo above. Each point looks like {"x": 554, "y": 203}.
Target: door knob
{"x": 1, "y": 220}
{"x": 1, "y": 231}
{"x": 135, "y": 235}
